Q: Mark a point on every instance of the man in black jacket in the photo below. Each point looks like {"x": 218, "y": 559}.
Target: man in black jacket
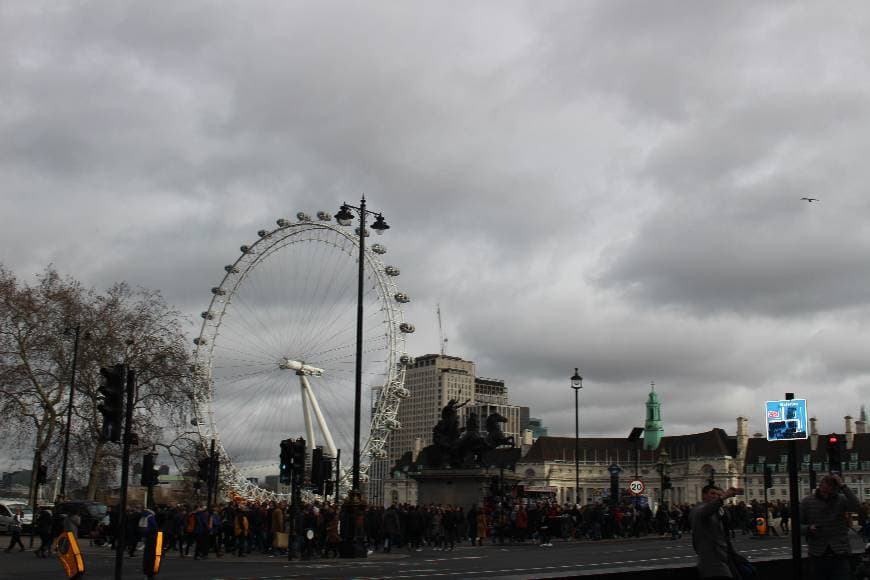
{"x": 825, "y": 525}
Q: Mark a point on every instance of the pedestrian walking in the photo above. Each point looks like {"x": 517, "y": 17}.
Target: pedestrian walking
{"x": 824, "y": 523}
{"x": 14, "y": 530}
{"x": 148, "y": 533}
{"x": 43, "y": 528}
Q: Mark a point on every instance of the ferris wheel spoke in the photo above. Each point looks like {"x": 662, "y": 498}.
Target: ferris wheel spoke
{"x": 257, "y": 332}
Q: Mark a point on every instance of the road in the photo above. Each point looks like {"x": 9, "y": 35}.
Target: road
{"x": 584, "y": 558}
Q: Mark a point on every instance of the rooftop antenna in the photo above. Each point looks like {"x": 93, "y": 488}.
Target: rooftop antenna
{"x": 441, "y": 336}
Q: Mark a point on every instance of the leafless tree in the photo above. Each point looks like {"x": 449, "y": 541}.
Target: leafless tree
{"x": 125, "y": 325}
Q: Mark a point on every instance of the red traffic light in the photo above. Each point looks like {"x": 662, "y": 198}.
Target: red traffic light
{"x": 833, "y": 439}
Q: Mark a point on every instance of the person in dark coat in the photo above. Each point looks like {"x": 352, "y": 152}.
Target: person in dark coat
{"x": 392, "y": 528}
{"x": 43, "y": 528}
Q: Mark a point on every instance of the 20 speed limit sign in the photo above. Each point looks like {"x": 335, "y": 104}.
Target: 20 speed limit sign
{"x": 636, "y": 487}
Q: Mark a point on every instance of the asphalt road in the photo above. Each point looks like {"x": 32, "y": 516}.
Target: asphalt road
{"x": 489, "y": 561}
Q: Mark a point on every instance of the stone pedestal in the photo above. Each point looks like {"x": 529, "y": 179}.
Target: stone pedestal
{"x": 459, "y": 487}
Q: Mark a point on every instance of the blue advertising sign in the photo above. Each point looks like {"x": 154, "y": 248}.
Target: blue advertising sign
{"x": 786, "y": 420}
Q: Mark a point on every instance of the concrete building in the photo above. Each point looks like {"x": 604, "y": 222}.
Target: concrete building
{"x": 692, "y": 460}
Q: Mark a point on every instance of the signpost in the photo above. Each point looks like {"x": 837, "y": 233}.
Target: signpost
{"x": 787, "y": 421}
{"x": 636, "y": 487}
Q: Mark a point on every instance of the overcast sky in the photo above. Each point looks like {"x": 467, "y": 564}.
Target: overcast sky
{"x": 613, "y": 186}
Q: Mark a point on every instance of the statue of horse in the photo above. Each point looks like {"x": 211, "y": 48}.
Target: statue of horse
{"x": 495, "y": 437}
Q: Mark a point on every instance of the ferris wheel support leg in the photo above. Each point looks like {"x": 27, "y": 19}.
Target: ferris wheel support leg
{"x": 306, "y": 411}
{"x": 324, "y": 430}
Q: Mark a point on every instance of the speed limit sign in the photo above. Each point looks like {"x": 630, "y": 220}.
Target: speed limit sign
{"x": 636, "y": 487}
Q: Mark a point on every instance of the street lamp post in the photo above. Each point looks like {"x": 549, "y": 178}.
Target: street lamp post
{"x": 663, "y": 466}
{"x": 576, "y": 384}
{"x": 72, "y": 390}
{"x": 352, "y": 545}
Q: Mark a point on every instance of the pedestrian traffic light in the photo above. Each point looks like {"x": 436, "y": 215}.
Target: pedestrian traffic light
{"x": 42, "y": 475}
{"x": 835, "y": 453}
{"x": 149, "y": 471}
{"x": 285, "y": 460}
{"x": 768, "y": 477}
{"x": 112, "y": 387}
{"x": 666, "y": 482}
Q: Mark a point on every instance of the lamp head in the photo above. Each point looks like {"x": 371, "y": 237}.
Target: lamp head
{"x": 577, "y": 380}
{"x": 380, "y": 226}
{"x": 344, "y": 217}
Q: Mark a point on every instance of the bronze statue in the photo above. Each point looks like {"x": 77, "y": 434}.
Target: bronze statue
{"x": 457, "y": 447}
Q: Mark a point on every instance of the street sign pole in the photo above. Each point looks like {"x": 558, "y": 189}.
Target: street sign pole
{"x": 793, "y": 491}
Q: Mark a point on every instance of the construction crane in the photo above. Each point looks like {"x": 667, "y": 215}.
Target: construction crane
{"x": 442, "y": 338}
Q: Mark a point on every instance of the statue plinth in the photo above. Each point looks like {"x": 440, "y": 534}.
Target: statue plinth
{"x": 460, "y": 487}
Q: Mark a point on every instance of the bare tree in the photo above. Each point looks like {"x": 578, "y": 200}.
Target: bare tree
{"x": 131, "y": 326}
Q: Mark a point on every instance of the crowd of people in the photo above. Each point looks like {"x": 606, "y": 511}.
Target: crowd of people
{"x": 313, "y": 530}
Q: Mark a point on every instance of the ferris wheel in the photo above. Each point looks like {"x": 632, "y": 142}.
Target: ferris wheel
{"x": 275, "y": 356}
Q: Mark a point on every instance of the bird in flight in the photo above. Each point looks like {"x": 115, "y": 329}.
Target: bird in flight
{"x": 809, "y": 199}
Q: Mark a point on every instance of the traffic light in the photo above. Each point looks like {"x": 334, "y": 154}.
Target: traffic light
{"x": 835, "y": 453}
{"x": 112, "y": 387}
{"x": 149, "y": 471}
{"x": 666, "y": 482}
{"x": 317, "y": 470}
{"x": 768, "y": 477}
{"x": 42, "y": 475}
{"x": 204, "y": 472}
{"x": 297, "y": 456}
{"x": 285, "y": 460}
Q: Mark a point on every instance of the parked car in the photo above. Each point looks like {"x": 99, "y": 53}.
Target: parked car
{"x": 92, "y": 513}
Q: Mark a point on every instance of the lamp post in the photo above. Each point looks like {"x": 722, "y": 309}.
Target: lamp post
{"x": 576, "y": 384}
{"x": 72, "y": 389}
{"x": 352, "y": 545}
{"x": 664, "y": 466}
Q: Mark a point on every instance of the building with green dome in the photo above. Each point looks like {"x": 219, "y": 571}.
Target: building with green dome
{"x": 652, "y": 429}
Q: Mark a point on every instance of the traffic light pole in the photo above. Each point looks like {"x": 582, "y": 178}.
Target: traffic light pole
{"x": 35, "y": 498}
{"x": 125, "y": 474}
{"x": 337, "y": 475}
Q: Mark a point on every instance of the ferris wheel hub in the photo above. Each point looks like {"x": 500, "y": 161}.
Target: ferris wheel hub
{"x": 300, "y": 367}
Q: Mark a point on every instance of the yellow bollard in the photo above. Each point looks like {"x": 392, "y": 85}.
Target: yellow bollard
{"x": 70, "y": 555}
